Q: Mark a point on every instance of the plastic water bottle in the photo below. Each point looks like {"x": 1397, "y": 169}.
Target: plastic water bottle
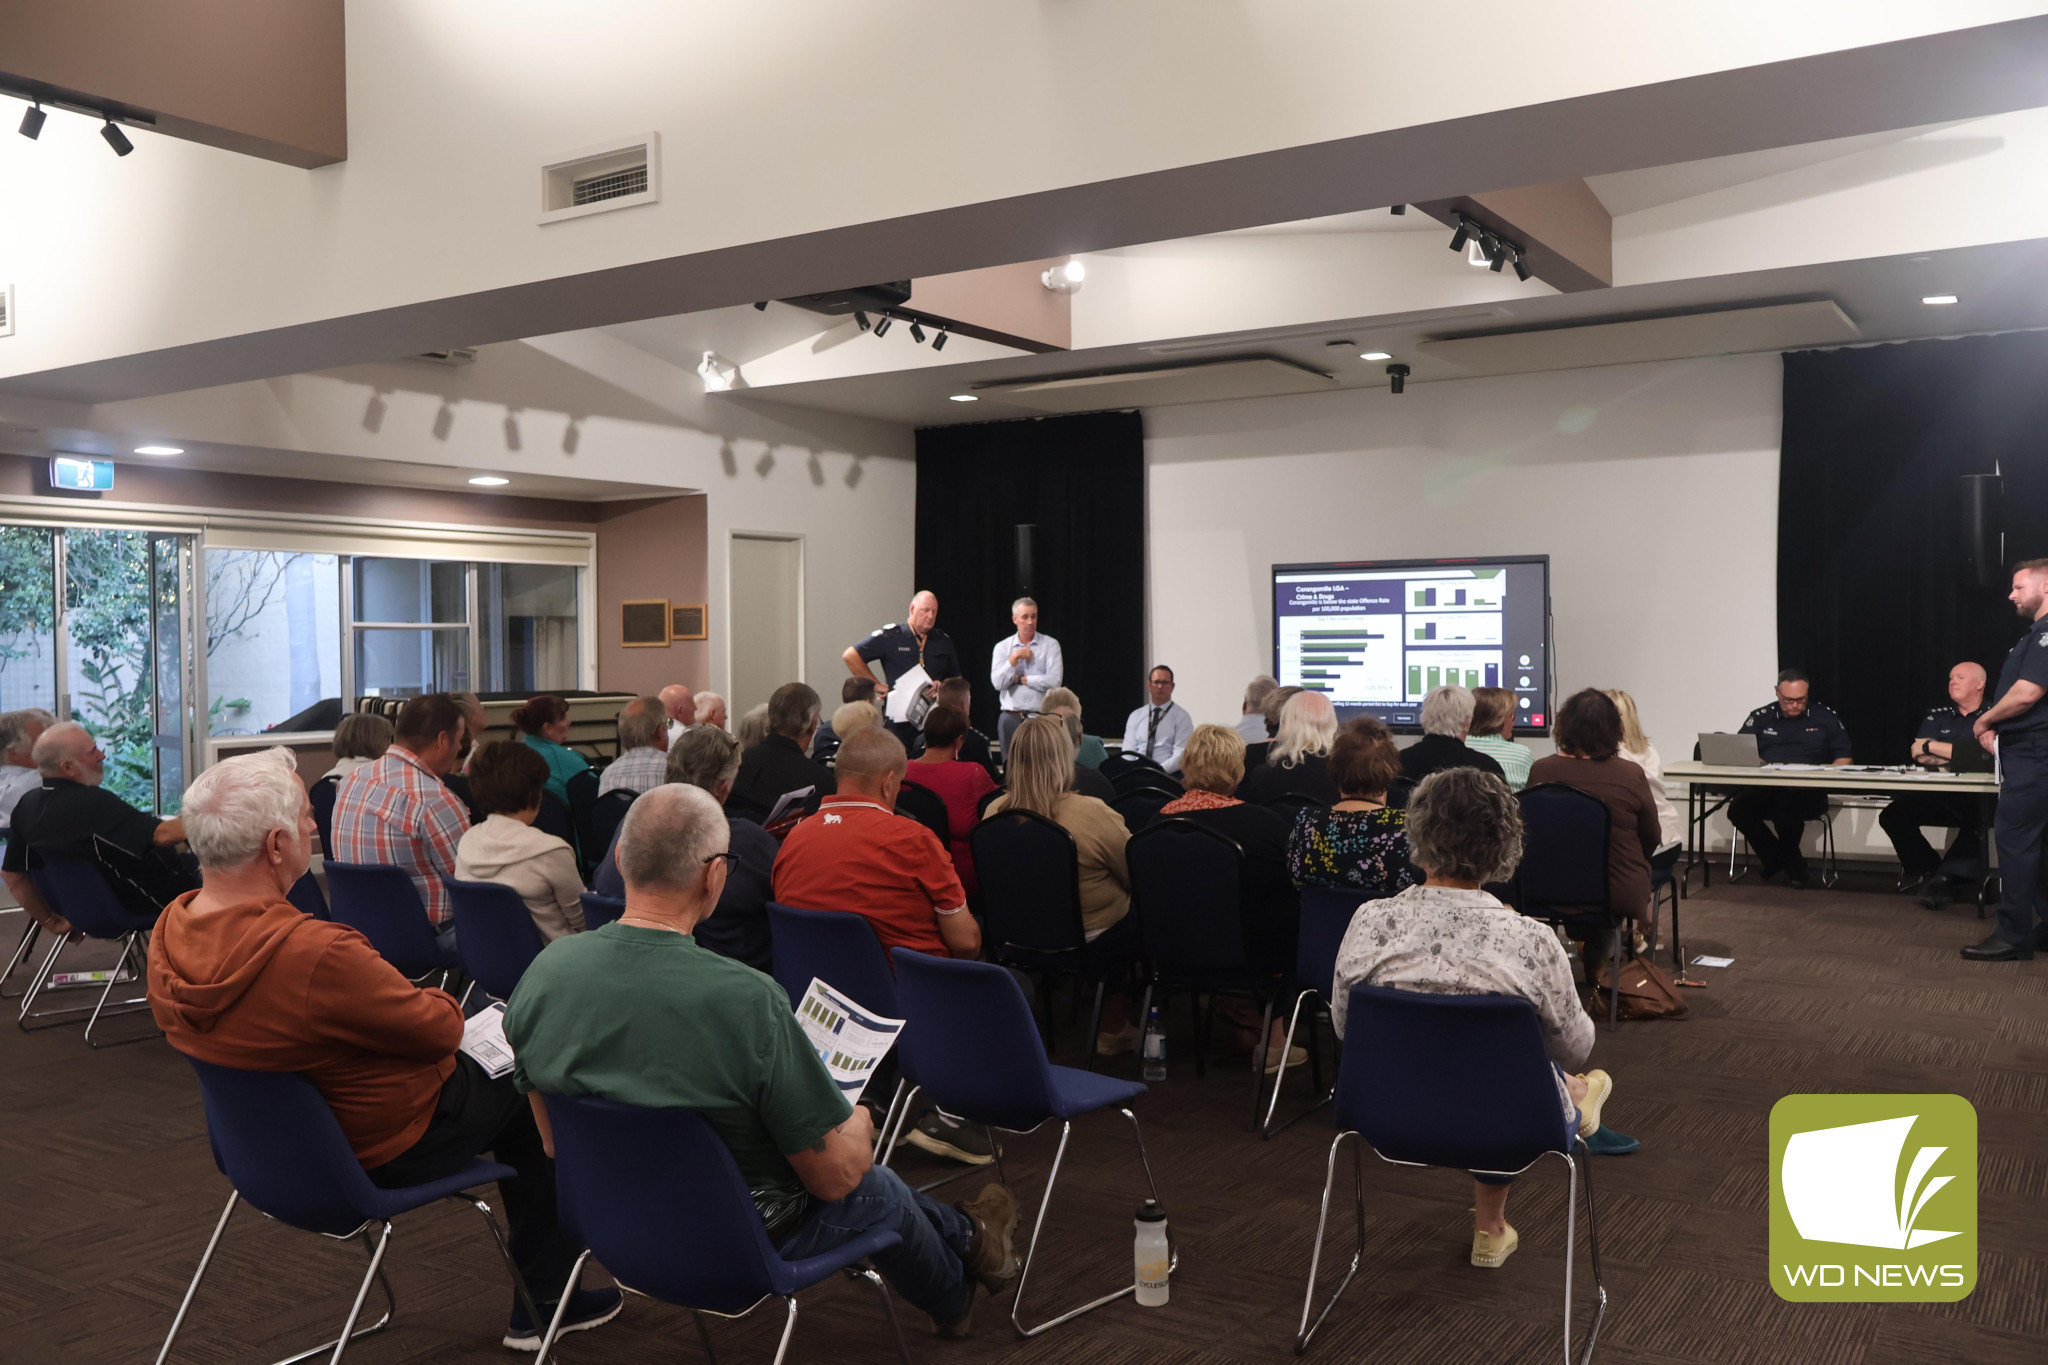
{"x": 1155, "y": 1047}
{"x": 1153, "y": 1254}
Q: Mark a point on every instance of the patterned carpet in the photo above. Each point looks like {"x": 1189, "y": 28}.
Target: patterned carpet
{"x": 110, "y": 1194}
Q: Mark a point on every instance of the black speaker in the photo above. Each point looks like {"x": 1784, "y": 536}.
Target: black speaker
{"x": 1982, "y": 527}
{"x": 1025, "y": 533}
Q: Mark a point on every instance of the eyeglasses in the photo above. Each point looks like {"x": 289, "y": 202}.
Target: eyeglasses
{"x": 732, "y": 860}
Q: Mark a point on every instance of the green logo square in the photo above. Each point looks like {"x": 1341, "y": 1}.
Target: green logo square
{"x": 1873, "y": 1198}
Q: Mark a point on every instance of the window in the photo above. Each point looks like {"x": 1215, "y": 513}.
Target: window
{"x": 273, "y": 639}
{"x": 28, "y": 619}
{"x": 430, "y": 651}
{"x": 527, "y": 627}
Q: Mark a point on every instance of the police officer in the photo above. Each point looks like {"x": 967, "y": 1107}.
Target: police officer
{"x": 2016, "y": 729}
{"x": 1935, "y": 747}
{"x": 1788, "y": 730}
{"x": 900, "y": 648}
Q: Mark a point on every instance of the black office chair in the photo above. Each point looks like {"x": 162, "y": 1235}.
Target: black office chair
{"x": 1563, "y": 875}
{"x": 928, "y": 808}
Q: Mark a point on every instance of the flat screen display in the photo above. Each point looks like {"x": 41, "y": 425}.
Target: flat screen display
{"x": 1376, "y": 635}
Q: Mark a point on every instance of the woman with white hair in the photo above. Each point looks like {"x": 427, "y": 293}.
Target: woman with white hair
{"x": 1297, "y": 763}
{"x": 1446, "y": 720}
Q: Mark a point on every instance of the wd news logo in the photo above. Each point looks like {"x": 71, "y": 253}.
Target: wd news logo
{"x": 1873, "y": 1198}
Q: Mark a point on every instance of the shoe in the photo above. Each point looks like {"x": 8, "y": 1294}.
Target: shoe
{"x": 1599, "y": 1085}
{"x": 1605, "y": 1141}
{"x": 1296, "y": 1056}
{"x": 1996, "y": 949}
{"x": 948, "y": 1137}
{"x": 1767, "y": 872}
{"x": 1937, "y": 893}
{"x": 1492, "y": 1252}
{"x": 1797, "y": 874}
{"x": 1913, "y": 882}
{"x": 1117, "y": 1044}
{"x": 588, "y": 1308}
{"x": 993, "y": 1258}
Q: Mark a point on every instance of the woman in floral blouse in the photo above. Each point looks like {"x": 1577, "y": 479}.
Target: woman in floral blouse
{"x": 1361, "y": 841}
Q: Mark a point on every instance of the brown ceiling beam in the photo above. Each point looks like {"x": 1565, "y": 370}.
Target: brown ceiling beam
{"x": 1006, "y": 304}
{"x": 259, "y": 77}
{"x": 1565, "y": 229}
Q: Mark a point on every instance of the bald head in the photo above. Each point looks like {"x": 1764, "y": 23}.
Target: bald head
{"x": 67, "y": 750}
{"x": 679, "y": 704}
{"x": 868, "y": 760}
{"x": 923, "y": 613}
{"x": 1966, "y": 686}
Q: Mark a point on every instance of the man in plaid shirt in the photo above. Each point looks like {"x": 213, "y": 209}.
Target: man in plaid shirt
{"x": 397, "y": 812}
{"x": 642, "y": 764}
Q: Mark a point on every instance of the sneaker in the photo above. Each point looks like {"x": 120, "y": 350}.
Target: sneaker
{"x": 1296, "y": 1056}
{"x": 993, "y": 1258}
{"x": 1490, "y": 1252}
{"x": 588, "y": 1308}
{"x": 1605, "y": 1141}
{"x": 942, "y": 1135}
{"x": 1599, "y": 1085}
{"x": 1117, "y": 1044}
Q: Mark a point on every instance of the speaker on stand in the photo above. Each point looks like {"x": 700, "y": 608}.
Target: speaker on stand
{"x": 1026, "y": 533}
{"x": 1983, "y": 529}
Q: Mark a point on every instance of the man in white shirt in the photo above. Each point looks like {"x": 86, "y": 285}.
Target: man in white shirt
{"x": 1252, "y": 723}
{"x": 681, "y": 708}
{"x": 1024, "y": 668}
{"x": 642, "y": 764}
{"x": 1159, "y": 730}
{"x": 19, "y": 731}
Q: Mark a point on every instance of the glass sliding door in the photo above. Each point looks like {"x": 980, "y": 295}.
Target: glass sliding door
{"x": 273, "y": 641}
{"x": 527, "y": 627}
{"x": 28, "y": 618}
{"x": 170, "y": 580}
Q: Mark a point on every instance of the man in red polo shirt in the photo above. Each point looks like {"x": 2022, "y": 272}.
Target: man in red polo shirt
{"x": 858, "y": 855}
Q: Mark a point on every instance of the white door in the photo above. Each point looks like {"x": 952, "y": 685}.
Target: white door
{"x": 765, "y": 578}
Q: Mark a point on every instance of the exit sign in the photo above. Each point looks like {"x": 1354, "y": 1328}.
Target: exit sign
{"x": 87, "y": 476}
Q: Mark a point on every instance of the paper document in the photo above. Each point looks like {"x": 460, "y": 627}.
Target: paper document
{"x": 784, "y": 802}
{"x": 1713, "y": 962}
{"x": 905, "y": 694}
{"x": 483, "y": 1038}
{"x": 850, "y": 1041}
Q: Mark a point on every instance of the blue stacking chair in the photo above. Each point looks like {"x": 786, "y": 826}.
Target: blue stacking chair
{"x": 840, "y": 949}
{"x": 383, "y": 905}
{"x": 495, "y": 936}
{"x": 307, "y": 895}
{"x": 1563, "y": 875}
{"x": 1326, "y": 913}
{"x": 279, "y": 1145}
{"x": 655, "y": 1195}
{"x": 599, "y": 911}
{"x": 76, "y": 889}
{"x": 1458, "y": 1081}
{"x": 969, "y": 1040}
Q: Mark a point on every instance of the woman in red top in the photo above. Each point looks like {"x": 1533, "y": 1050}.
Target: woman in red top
{"x": 960, "y": 785}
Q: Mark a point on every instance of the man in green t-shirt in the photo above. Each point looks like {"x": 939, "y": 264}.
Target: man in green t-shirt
{"x": 638, "y": 1012}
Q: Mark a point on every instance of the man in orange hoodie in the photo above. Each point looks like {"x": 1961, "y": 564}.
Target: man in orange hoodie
{"x": 239, "y": 977}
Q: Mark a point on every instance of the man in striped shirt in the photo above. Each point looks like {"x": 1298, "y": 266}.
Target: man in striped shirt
{"x": 397, "y": 812}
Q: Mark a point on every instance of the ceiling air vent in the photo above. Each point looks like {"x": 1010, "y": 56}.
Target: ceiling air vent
{"x": 611, "y": 175}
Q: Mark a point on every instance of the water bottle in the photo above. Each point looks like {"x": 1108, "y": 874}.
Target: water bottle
{"x": 1153, "y": 1254}
{"x": 1155, "y": 1047}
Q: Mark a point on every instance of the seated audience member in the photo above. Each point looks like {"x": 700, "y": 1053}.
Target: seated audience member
{"x": 475, "y": 721}
{"x": 1448, "y": 937}
{"x": 1041, "y": 780}
{"x": 1587, "y": 732}
{"x": 753, "y": 726}
{"x": 1212, "y": 767}
{"x": 19, "y": 731}
{"x": 974, "y": 745}
{"x": 1493, "y": 725}
{"x": 1446, "y": 720}
{"x": 709, "y": 758}
{"x": 1637, "y": 749}
{"x": 643, "y": 748}
{"x": 851, "y": 718}
{"x": 543, "y": 725}
{"x": 1361, "y": 842}
{"x": 1297, "y": 762}
{"x": 1087, "y": 781}
{"x": 238, "y": 977}
{"x": 1090, "y": 751}
{"x": 960, "y": 785}
{"x": 397, "y": 812}
{"x": 360, "y": 740}
{"x": 72, "y": 814}
{"x": 1256, "y": 750}
{"x": 679, "y": 708}
{"x": 1159, "y": 729}
{"x": 691, "y": 1030}
{"x": 852, "y": 690}
{"x": 1251, "y": 721}
{"x": 710, "y": 711}
{"x": 507, "y": 780}
{"x": 780, "y": 764}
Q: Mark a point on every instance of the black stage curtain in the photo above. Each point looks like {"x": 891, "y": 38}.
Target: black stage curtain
{"x": 1873, "y": 598}
{"x": 1081, "y": 482}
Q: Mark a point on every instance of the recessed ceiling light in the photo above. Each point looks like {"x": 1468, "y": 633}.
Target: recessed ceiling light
{"x": 1376, "y": 355}
{"x": 159, "y": 450}
{"x": 1939, "y": 300}
{"x": 489, "y": 481}
{"x": 966, "y": 398}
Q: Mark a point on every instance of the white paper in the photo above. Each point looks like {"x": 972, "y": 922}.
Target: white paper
{"x": 483, "y": 1038}
{"x": 850, "y": 1040}
{"x": 904, "y": 692}
{"x": 786, "y": 800}
{"x": 1713, "y": 962}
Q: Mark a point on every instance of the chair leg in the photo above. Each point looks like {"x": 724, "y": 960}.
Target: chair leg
{"x": 519, "y": 1284}
{"x": 902, "y": 1115}
{"x": 1306, "y": 1332}
{"x": 889, "y": 1117}
{"x": 704, "y": 1335}
{"x": 547, "y": 1341}
{"x": 348, "y": 1326}
{"x": 128, "y": 955}
{"x": 788, "y": 1330}
{"x": 1038, "y": 1227}
{"x": 1095, "y": 1023}
{"x": 192, "y": 1290}
{"x": 1571, "y": 1242}
{"x": 1203, "y": 1019}
{"x": 1614, "y": 979}
{"x": 29, "y": 933}
{"x": 1266, "y": 1129}
{"x": 1263, "y": 1058}
{"x": 867, "y": 1272}
{"x": 36, "y": 986}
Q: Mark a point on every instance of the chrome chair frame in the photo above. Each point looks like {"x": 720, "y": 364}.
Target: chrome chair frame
{"x": 130, "y": 966}
{"x": 1329, "y": 1093}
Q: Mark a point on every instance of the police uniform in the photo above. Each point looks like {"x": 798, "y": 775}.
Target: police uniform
{"x": 2022, "y": 818}
{"x": 1903, "y": 818}
{"x": 1774, "y": 818}
{"x": 897, "y": 648}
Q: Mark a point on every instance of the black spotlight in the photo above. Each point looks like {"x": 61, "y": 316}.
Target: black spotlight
{"x": 916, "y": 332}
{"x": 116, "y": 139}
{"x": 761, "y": 307}
{"x": 1398, "y": 210}
{"x": 1500, "y": 254}
{"x": 1522, "y": 271}
{"x": 882, "y": 325}
{"x": 1397, "y": 377}
{"x": 939, "y": 342}
{"x": 1462, "y": 235}
{"x": 862, "y": 319}
{"x": 32, "y": 121}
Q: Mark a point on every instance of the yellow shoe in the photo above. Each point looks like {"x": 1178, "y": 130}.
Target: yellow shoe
{"x": 1491, "y": 1252}
{"x": 1599, "y": 1085}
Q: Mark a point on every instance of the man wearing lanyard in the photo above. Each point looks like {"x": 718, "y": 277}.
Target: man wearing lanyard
{"x": 1024, "y": 668}
{"x": 1159, "y": 731}
{"x": 2016, "y": 729}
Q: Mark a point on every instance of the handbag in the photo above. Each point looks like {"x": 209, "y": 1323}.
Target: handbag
{"x": 1646, "y": 993}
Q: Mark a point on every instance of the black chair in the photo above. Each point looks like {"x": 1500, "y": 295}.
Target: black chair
{"x": 928, "y": 808}
{"x": 1141, "y": 776}
{"x": 77, "y": 889}
{"x": 322, "y": 794}
{"x": 1140, "y": 808}
{"x": 1287, "y": 805}
{"x": 605, "y": 818}
{"x": 1122, "y": 761}
{"x": 988, "y": 799}
{"x": 582, "y": 800}
{"x": 307, "y": 895}
{"x": 458, "y": 786}
{"x": 1563, "y": 876}
{"x": 1326, "y": 913}
{"x": 554, "y": 818}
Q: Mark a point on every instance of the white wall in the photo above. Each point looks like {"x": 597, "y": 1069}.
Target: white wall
{"x": 1653, "y": 488}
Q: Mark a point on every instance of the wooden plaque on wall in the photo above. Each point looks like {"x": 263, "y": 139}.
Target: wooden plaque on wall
{"x": 643, "y": 623}
{"x": 688, "y": 623}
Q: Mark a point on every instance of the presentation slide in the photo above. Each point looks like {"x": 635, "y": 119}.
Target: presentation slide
{"x": 1376, "y": 636}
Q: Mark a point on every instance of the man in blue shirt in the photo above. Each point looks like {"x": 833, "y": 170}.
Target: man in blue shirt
{"x": 1789, "y": 730}
{"x": 1944, "y": 728}
{"x": 1160, "y": 729}
{"x": 2015, "y": 727}
{"x": 1023, "y": 668}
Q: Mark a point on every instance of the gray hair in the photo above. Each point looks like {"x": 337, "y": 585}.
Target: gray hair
{"x": 753, "y": 727}
{"x": 1062, "y": 699}
{"x": 14, "y": 726}
{"x": 231, "y": 808}
{"x": 1021, "y": 602}
{"x": 707, "y": 700}
{"x": 362, "y": 734}
{"x": 1447, "y": 710}
{"x": 1465, "y": 824}
{"x": 56, "y": 746}
{"x": 668, "y": 835}
{"x": 1073, "y": 720}
{"x": 853, "y": 717}
{"x": 643, "y": 721}
{"x": 1308, "y": 727}
{"x": 1256, "y": 691}
{"x": 705, "y": 756}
